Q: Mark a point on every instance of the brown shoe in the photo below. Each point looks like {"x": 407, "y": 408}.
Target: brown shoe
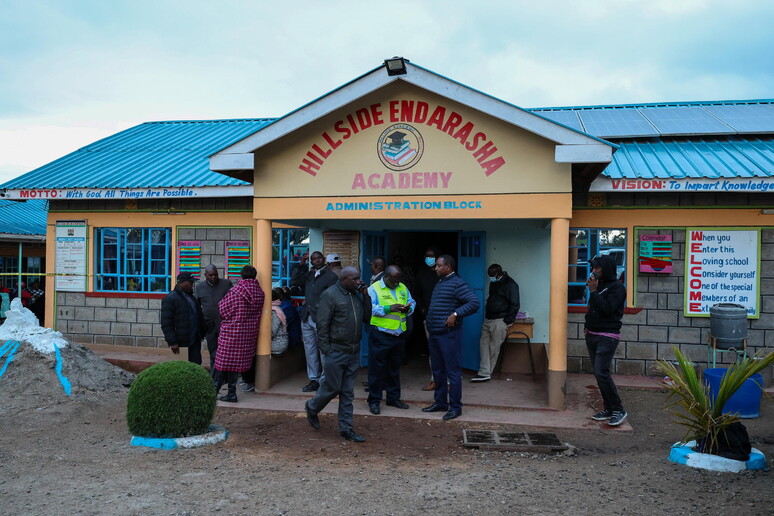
{"x": 429, "y": 387}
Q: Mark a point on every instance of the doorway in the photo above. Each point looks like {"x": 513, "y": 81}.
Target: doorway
{"x": 469, "y": 251}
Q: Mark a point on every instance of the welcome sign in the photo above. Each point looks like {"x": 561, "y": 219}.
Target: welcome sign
{"x": 722, "y": 266}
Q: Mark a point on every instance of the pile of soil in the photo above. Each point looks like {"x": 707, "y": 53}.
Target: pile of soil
{"x": 30, "y": 380}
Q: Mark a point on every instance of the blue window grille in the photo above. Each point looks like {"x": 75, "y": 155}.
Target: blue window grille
{"x": 289, "y": 245}
{"x": 133, "y": 259}
{"x": 585, "y": 244}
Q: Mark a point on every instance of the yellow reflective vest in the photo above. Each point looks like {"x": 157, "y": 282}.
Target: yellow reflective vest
{"x": 390, "y": 320}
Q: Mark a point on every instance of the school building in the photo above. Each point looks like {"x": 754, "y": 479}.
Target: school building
{"x": 401, "y": 158}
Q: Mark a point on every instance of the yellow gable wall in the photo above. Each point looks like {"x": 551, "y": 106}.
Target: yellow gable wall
{"x": 463, "y": 152}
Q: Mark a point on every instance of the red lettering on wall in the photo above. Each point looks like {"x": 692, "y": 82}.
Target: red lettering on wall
{"x": 376, "y": 114}
{"x": 477, "y": 138}
{"x": 407, "y": 111}
{"x": 393, "y": 111}
{"x": 339, "y": 127}
{"x": 436, "y": 118}
{"x": 329, "y": 141}
{"x": 455, "y": 119}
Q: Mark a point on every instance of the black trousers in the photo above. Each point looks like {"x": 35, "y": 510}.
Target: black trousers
{"x": 385, "y": 354}
{"x": 195, "y": 352}
{"x": 213, "y": 332}
{"x": 601, "y": 351}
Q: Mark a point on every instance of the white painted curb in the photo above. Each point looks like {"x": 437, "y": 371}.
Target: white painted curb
{"x": 217, "y": 434}
{"x": 684, "y": 454}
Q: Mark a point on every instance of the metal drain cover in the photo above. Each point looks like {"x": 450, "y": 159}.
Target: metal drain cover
{"x": 512, "y": 441}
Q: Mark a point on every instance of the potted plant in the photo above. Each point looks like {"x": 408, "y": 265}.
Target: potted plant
{"x": 706, "y": 424}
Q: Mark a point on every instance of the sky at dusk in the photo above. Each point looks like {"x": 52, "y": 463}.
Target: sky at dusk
{"x": 75, "y": 71}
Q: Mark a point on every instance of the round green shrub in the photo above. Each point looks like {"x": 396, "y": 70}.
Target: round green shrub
{"x": 171, "y": 399}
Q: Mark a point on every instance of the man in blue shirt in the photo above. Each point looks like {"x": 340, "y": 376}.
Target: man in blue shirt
{"x": 391, "y": 304}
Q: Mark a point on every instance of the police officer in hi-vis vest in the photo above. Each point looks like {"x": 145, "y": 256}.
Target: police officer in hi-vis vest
{"x": 391, "y": 304}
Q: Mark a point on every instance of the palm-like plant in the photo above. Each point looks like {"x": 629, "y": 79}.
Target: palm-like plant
{"x": 702, "y": 416}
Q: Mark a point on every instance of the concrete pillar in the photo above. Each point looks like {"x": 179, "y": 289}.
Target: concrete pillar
{"x": 262, "y": 259}
{"x": 557, "y": 330}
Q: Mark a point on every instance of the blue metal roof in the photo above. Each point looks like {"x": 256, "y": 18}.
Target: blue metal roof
{"x": 153, "y": 154}
{"x": 23, "y": 218}
{"x": 706, "y": 157}
{"x": 670, "y": 119}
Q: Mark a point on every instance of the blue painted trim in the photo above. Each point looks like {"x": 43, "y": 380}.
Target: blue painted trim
{"x": 217, "y": 434}
{"x": 62, "y": 379}
{"x": 11, "y": 351}
{"x": 684, "y": 454}
{"x": 154, "y": 442}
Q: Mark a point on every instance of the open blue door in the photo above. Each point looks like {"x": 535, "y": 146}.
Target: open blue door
{"x": 374, "y": 244}
{"x": 471, "y": 265}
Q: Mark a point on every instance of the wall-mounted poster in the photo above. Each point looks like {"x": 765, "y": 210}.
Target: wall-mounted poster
{"x": 189, "y": 257}
{"x": 722, "y": 265}
{"x": 70, "y": 255}
{"x": 237, "y": 256}
{"x": 656, "y": 253}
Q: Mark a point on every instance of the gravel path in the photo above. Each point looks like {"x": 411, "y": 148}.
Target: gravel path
{"x": 72, "y": 456}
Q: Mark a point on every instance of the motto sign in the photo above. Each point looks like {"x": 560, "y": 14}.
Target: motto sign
{"x": 722, "y": 266}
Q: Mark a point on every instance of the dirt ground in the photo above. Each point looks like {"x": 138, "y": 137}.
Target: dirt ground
{"x": 61, "y": 455}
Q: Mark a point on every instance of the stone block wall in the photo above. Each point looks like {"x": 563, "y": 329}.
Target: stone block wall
{"x": 652, "y": 333}
{"x": 109, "y": 320}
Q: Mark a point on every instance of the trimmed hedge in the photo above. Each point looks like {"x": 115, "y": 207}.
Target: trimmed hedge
{"x": 171, "y": 399}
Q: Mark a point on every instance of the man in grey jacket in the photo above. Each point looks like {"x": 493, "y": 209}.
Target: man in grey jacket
{"x": 340, "y": 313}
{"x": 209, "y": 292}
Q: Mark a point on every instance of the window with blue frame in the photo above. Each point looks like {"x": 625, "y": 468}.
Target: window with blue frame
{"x": 289, "y": 246}
{"x": 585, "y": 244}
{"x": 132, "y": 259}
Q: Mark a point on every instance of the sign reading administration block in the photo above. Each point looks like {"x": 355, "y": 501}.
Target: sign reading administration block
{"x": 722, "y": 266}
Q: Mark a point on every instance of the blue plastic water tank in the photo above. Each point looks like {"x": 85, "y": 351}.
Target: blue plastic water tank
{"x": 746, "y": 401}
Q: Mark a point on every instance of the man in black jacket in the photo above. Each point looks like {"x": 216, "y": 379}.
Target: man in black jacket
{"x": 603, "y": 332}
{"x": 181, "y": 319}
{"x": 341, "y": 311}
{"x": 315, "y": 282}
{"x": 502, "y": 305}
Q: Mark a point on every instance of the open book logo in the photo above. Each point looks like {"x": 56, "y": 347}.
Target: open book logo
{"x": 400, "y": 147}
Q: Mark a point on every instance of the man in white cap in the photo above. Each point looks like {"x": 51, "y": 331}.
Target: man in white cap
{"x": 334, "y": 264}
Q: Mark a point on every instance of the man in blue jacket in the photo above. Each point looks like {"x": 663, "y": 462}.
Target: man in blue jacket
{"x": 451, "y": 301}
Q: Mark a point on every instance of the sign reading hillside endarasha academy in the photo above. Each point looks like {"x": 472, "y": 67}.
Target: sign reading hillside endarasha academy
{"x": 400, "y": 144}
{"x": 126, "y": 193}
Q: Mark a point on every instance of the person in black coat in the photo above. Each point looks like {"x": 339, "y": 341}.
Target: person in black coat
{"x": 603, "y": 332}
{"x": 181, "y": 319}
{"x": 502, "y": 305}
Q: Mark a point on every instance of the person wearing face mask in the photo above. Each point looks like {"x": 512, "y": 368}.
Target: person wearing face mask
{"x": 502, "y": 305}
{"x": 424, "y": 283}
